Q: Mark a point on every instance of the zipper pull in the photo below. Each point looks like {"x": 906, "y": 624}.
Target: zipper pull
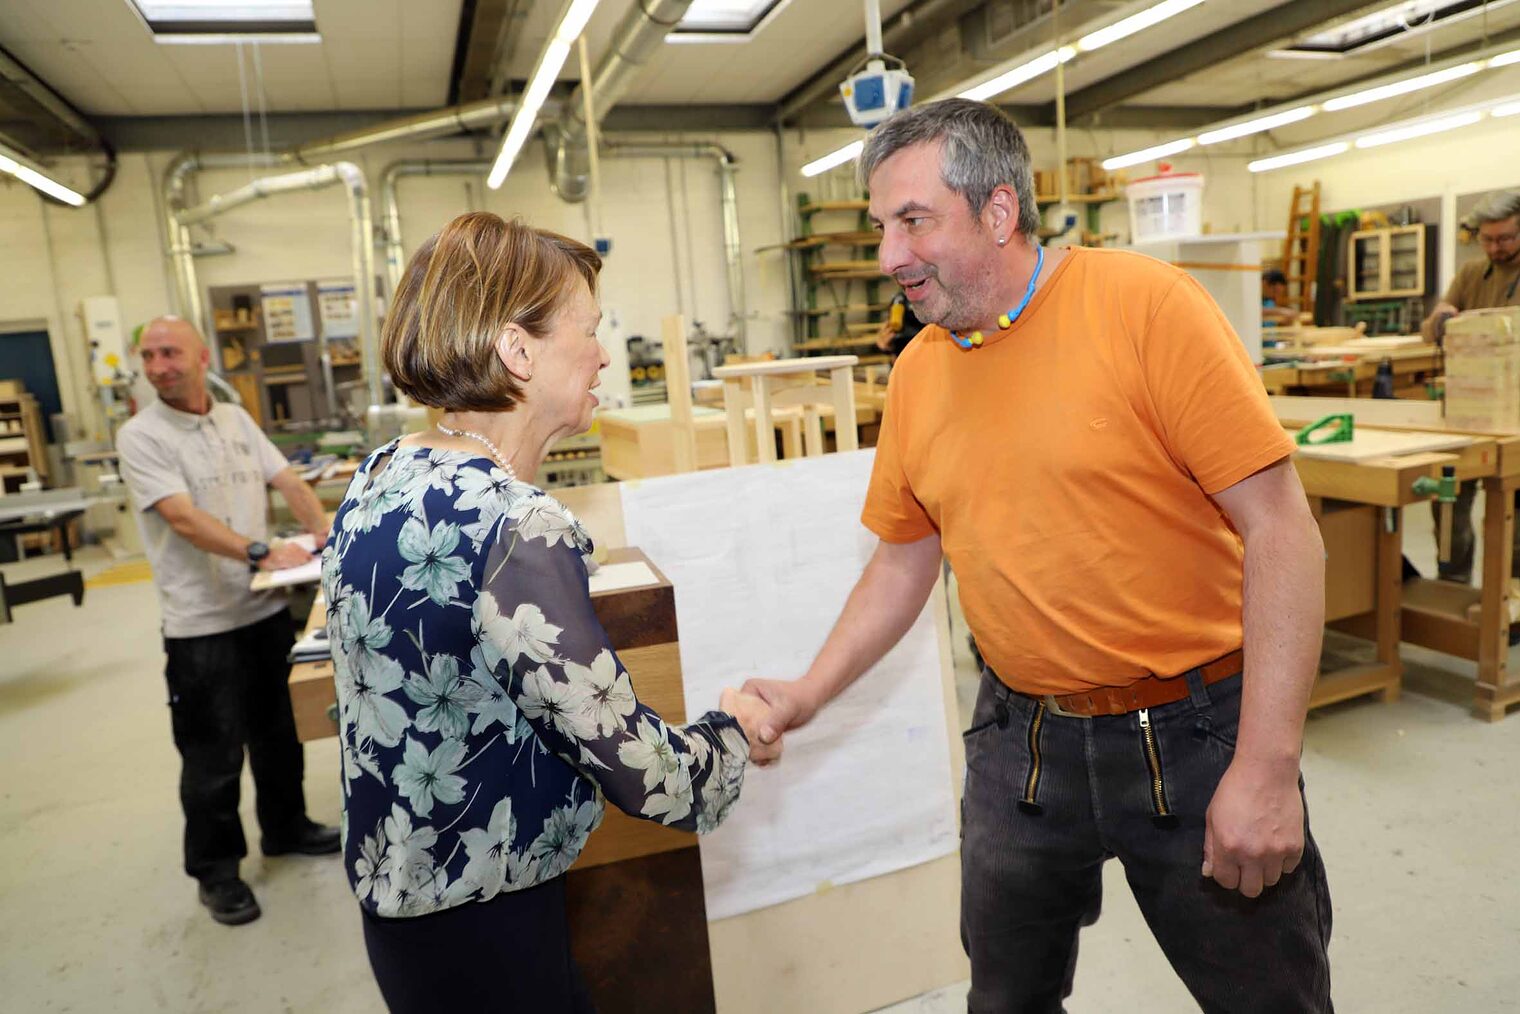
{"x": 1145, "y": 718}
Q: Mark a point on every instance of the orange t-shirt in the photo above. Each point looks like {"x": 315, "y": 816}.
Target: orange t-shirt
{"x": 1067, "y": 465}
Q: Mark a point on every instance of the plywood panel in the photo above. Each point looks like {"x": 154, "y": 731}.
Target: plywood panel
{"x": 1367, "y": 444}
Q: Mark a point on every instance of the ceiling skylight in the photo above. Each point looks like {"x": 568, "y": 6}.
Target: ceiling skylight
{"x": 1389, "y": 24}
{"x": 215, "y": 21}
{"x": 724, "y": 20}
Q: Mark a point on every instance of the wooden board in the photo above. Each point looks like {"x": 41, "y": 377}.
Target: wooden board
{"x": 1366, "y": 411}
{"x": 1368, "y": 444}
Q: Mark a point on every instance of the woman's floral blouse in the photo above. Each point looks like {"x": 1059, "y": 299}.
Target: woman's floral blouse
{"x": 482, "y": 713}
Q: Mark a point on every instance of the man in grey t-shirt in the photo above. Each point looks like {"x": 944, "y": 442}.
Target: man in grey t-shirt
{"x": 199, "y": 471}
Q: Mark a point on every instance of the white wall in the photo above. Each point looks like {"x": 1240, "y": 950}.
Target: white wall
{"x": 115, "y": 248}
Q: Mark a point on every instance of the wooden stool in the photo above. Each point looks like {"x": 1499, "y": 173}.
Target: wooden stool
{"x": 760, "y": 388}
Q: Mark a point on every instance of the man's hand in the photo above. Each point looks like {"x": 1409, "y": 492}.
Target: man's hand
{"x": 752, "y": 713}
{"x": 283, "y": 556}
{"x": 793, "y": 703}
{"x": 1254, "y": 832}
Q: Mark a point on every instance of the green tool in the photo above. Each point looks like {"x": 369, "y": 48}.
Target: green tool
{"x": 1341, "y": 433}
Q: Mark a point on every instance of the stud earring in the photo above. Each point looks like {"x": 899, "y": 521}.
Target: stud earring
{"x": 1003, "y": 241}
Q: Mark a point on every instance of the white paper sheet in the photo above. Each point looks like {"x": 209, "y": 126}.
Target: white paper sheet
{"x": 307, "y": 573}
{"x": 762, "y": 559}
{"x": 617, "y": 576}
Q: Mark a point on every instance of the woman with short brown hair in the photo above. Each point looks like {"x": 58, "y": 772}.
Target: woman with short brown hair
{"x": 483, "y": 714}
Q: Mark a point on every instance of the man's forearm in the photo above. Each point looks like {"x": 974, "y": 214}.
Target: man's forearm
{"x": 303, "y": 503}
{"x": 205, "y": 531}
{"x": 884, "y": 603}
{"x": 1284, "y": 625}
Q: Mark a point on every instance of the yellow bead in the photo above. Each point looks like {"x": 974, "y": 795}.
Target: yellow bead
{"x": 1004, "y": 322}
{"x": 976, "y": 337}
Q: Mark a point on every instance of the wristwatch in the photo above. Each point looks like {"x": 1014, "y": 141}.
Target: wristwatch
{"x": 256, "y": 552}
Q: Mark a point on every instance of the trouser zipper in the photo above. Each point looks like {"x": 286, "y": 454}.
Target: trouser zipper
{"x": 1162, "y": 815}
{"x": 1032, "y": 782}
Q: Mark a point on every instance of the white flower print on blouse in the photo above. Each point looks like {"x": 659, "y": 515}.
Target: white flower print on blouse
{"x": 542, "y": 517}
{"x": 446, "y": 699}
{"x": 652, "y": 754}
{"x": 563, "y": 837}
{"x": 426, "y": 775}
{"x": 606, "y": 694}
{"x": 545, "y": 697}
{"x": 525, "y": 632}
{"x": 434, "y": 568}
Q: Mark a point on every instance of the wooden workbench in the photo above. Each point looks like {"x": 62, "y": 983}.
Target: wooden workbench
{"x": 1439, "y": 614}
{"x": 1351, "y": 376}
{"x": 1356, "y": 504}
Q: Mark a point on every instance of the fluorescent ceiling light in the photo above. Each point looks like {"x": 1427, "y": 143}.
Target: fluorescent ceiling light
{"x": 1042, "y": 64}
{"x": 1146, "y": 154}
{"x": 1504, "y": 59}
{"x": 1418, "y": 130}
{"x": 220, "y": 21}
{"x": 1508, "y": 109}
{"x": 848, "y": 153}
{"x": 1262, "y": 165}
{"x": 1134, "y": 23}
{"x": 571, "y": 23}
{"x": 1404, "y": 87}
{"x": 34, "y": 177}
{"x": 1256, "y": 126}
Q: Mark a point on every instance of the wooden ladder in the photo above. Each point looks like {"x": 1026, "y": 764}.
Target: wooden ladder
{"x": 1300, "y": 260}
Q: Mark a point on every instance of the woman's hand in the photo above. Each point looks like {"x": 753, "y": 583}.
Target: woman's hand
{"x": 752, "y": 713}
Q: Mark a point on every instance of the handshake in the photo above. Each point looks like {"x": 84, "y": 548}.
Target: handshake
{"x": 766, "y": 709}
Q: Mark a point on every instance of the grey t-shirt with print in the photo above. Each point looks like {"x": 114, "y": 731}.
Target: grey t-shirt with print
{"x": 224, "y": 462}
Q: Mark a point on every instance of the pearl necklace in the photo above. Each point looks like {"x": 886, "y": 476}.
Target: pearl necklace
{"x": 500, "y": 458}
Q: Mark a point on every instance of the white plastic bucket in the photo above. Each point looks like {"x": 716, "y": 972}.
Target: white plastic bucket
{"x": 1169, "y": 206}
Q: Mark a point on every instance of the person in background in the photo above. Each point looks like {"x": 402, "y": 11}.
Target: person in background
{"x": 484, "y": 715}
{"x": 1493, "y": 280}
{"x": 199, "y": 471}
{"x": 1151, "y": 643}
{"x": 900, "y": 327}
{"x": 1275, "y": 309}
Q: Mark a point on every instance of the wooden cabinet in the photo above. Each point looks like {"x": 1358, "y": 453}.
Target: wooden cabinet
{"x": 1387, "y": 263}
{"x": 23, "y": 442}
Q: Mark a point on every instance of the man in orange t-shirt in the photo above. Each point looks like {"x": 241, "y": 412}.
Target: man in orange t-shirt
{"x": 1083, "y": 437}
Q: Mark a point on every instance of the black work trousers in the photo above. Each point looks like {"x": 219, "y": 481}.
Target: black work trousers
{"x": 227, "y": 693}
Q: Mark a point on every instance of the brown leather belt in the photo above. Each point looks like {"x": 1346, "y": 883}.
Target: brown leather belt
{"x": 1146, "y": 692}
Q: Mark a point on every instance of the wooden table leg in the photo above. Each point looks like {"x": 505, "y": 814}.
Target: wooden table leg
{"x": 1494, "y": 691}
{"x": 1390, "y": 599}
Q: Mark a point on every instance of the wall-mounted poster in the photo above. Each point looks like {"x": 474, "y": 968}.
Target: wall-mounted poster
{"x": 287, "y": 312}
{"x": 339, "y": 309}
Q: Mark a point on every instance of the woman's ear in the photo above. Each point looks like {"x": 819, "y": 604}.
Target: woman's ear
{"x": 512, "y": 350}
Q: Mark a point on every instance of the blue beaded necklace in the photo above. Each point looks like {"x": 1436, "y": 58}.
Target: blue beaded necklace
{"x": 1006, "y": 320}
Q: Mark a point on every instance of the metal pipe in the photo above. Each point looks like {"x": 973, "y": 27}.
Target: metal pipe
{"x": 454, "y": 119}
{"x": 390, "y": 206}
{"x": 637, "y": 37}
{"x": 362, "y": 238}
{"x": 727, "y": 165}
{"x": 187, "y": 295}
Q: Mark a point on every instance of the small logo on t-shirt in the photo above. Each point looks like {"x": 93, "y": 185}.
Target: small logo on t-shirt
{"x": 1098, "y": 423}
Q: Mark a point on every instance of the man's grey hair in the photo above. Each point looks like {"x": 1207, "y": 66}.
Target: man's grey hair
{"x": 983, "y": 150}
{"x": 1496, "y": 207}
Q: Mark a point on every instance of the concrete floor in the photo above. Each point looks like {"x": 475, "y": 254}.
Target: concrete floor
{"x": 1413, "y": 804}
